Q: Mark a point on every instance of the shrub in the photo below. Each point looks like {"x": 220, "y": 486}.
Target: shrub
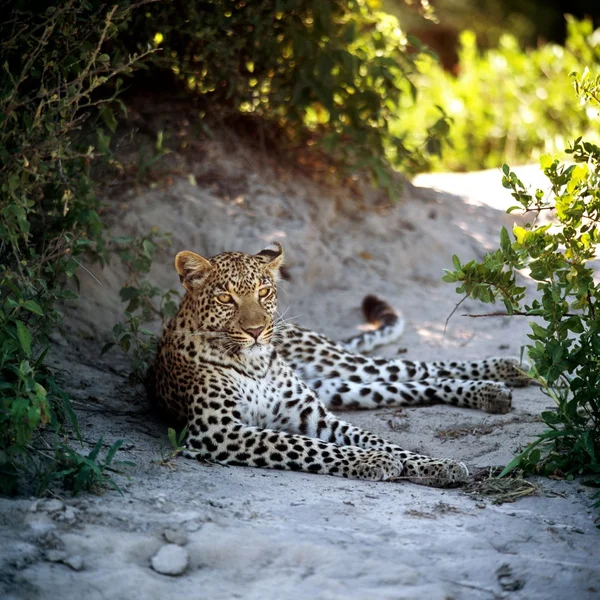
{"x": 145, "y": 302}
{"x": 325, "y": 73}
{"x": 506, "y": 104}
{"x": 565, "y": 345}
{"x": 53, "y": 78}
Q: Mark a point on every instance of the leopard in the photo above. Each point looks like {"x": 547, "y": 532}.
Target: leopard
{"x": 256, "y": 390}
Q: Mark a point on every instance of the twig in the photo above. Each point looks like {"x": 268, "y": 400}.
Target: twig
{"x": 453, "y": 311}
{"x": 515, "y": 313}
{"x": 473, "y": 587}
{"x": 86, "y": 269}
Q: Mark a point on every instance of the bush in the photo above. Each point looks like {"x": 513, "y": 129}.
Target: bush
{"x": 565, "y": 346}
{"x": 145, "y": 302}
{"x": 506, "y": 104}
{"x": 325, "y": 73}
{"x": 53, "y": 73}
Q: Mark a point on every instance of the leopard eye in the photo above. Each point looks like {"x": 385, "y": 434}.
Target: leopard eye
{"x": 224, "y": 298}
{"x": 265, "y": 292}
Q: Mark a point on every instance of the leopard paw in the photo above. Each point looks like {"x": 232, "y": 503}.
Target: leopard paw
{"x": 378, "y": 466}
{"x": 495, "y": 398}
{"x": 436, "y": 472}
{"x": 513, "y": 372}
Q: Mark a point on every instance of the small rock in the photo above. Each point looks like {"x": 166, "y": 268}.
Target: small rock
{"x": 69, "y": 514}
{"x": 193, "y": 526}
{"x": 34, "y": 506}
{"x": 171, "y": 559}
{"x": 52, "y": 505}
{"x": 75, "y": 562}
{"x": 480, "y": 505}
{"x": 577, "y": 530}
{"x": 56, "y": 555}
{"x": 176, "y": 537}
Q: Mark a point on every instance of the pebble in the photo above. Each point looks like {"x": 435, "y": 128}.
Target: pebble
{"x": 52, "y": 505}
{"x": 75, "y": 562}
{"x": 69, "y": 514}
{"x": 56, "y": 555}
{"x": 175, "y": 537}
{"x": 171, "y": 559}
{"x": 193, "y": 526}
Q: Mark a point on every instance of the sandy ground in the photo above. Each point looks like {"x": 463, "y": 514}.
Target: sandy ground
{"x": 249, "y": 533}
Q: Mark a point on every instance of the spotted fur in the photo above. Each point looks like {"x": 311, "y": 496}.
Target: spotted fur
{"x": 256, "y": 394}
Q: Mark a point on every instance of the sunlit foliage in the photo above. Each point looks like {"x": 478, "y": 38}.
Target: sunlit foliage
{"x": 328, "y": 74}
{"x": 507, "y": 105}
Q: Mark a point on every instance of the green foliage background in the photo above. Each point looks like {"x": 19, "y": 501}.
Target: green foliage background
{"x": 506, "y": 104}
{"x": 312, "y": 74}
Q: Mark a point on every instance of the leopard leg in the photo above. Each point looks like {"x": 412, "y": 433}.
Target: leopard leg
{"x": 309, "y": 416}
{"x": 314, "y": 356}
{"x": 490, "y": 396}
{"x": 390, "y": 326}
{"x": 242, "y": 445}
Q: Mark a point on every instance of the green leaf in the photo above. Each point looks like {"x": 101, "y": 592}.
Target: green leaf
{"x": 172, "y": 434}
{"x": 107, "y": 347}
{"x": 511, "y": 466}
{"x": 34, "y": 307}
{"x": 127, "y": 293}
{"x": 24, "y": 337}
{"x": 93, "y": 455}
{"x": 112, "y": 451}
{"x": 182, "y": 436}
{"x": 504, "y": 240}
{"x": 68, "y": 295}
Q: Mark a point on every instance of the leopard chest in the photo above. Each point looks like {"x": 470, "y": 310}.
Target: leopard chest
{"x": 256, "y": 400}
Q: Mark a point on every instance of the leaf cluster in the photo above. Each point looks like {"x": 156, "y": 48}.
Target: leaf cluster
{"x": 330, "y": 74}
{"x": 555, "y": 248}
{"x": 146, "y": 302}
{"x": 54, "y": 80}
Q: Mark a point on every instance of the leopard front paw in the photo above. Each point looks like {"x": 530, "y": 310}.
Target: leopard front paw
{"x": 436, "y": 472}
{"x": 495, "y": 398}
{"x": 376, "y": 465}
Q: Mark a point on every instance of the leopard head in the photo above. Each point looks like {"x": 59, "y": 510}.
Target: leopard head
{"x": 231, "y": 298}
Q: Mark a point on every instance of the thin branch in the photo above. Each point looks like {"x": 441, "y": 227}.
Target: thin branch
{"x": 513, "y": 314}
{"x": 86, "y": 269}
{"x": 453, "y": 311}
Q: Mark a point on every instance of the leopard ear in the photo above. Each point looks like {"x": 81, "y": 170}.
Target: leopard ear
{"x": 272, "y": 256}
{"x": 192, "y": 269}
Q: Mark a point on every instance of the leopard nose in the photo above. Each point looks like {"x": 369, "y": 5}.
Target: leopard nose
{"x": 255, "y": 331}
